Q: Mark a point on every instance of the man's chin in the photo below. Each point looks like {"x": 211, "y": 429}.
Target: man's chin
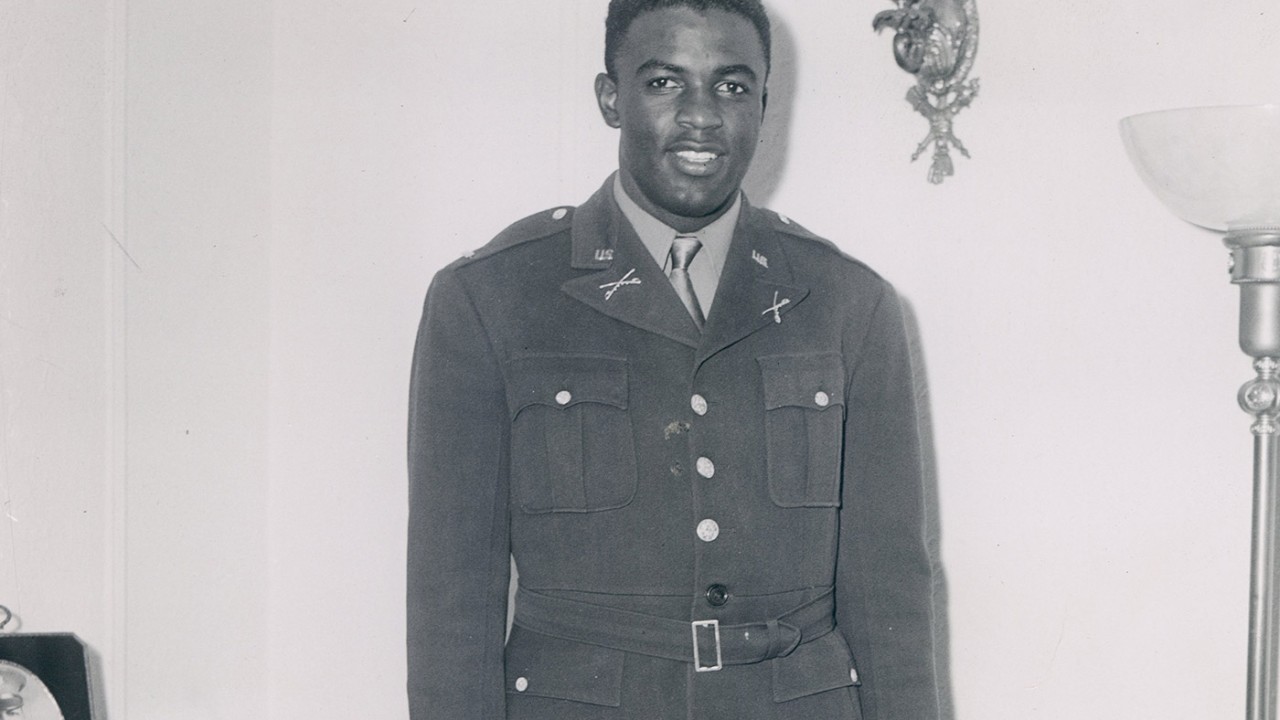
{"x": 703, "y": 210}
{"x": 700, "y": 202}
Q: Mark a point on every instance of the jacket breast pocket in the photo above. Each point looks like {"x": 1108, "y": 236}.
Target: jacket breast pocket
{"x": 804, "y": 428}
{"x": 572, "y": 448}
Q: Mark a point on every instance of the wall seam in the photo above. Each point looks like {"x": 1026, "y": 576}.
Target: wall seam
{"x": 113, "y": 695}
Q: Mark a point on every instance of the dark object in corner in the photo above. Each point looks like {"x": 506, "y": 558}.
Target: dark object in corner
{"x": 55, "y": 664}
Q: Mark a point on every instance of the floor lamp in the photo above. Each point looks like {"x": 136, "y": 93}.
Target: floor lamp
{"x": 1219, "y": 167}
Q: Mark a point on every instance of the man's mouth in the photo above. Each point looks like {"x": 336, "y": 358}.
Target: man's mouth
{"x": 697, "y": 157}
{"x": 697, "y": 162}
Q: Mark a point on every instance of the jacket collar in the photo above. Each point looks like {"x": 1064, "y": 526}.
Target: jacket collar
{"x": 757, "y": 288}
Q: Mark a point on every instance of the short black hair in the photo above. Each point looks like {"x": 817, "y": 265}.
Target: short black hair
{"x": 624, "y": 12}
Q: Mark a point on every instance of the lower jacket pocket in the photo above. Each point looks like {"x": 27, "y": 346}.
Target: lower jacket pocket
{"x": 815, "y": 667}
{"x": 543, "y": 666}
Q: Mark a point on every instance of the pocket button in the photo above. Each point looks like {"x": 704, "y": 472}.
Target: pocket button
{"x": 822, "y": 399}
{"x": 564, "y": 397}
{"x": 706, "y": 468}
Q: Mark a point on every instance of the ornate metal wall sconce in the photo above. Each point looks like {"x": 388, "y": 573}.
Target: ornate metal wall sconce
{"x": 937, "y": 41}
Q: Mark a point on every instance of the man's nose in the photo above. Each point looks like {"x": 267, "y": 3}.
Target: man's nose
{"x": 699, "y": 109}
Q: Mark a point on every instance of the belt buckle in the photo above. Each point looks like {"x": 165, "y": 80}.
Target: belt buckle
{"x": 698, "y": 666}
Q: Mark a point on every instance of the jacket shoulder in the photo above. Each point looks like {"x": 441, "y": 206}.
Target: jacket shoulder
{"x": 534, "y": 227}
{"x": 779, "y": 222}
{"x": 826, "y": 249}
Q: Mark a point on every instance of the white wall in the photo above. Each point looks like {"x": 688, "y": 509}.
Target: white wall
{"x": 55, "y": 435}
{"x": 197, "y": 96}
{"x": 135, "y": 190}
{"x": 287, "y": 175}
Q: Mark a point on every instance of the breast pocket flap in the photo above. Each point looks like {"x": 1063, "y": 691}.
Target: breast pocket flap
{"x": 564, "y": 381}
{"x": 814, "y": 382}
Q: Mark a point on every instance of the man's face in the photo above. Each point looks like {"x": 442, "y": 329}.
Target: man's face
{"x": 689, "y": 100}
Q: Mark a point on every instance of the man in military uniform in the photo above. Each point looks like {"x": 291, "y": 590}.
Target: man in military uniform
{"x": 690, "y": 421}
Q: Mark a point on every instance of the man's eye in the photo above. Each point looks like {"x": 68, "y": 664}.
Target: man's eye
{"x": 733, "y": 88}
{"x": 663, "y": 83}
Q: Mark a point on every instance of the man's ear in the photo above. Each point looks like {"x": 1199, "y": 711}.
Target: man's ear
{"x": 607, "y": 98}
{"x": 764, "y": 102}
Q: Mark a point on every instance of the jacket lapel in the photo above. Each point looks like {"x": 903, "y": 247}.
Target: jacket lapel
{"x": 627, "y": 285}
{"x": 756, "y": 288}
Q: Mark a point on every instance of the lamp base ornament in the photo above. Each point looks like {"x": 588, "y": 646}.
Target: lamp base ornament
{"x": 1260, "y": 397}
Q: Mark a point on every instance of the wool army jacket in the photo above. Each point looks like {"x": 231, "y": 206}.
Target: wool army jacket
{"x": 726, "y": 523}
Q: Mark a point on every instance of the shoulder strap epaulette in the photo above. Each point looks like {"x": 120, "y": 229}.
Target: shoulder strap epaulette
{"x": 784, "y": 224}
{"x": 535, "y": 227}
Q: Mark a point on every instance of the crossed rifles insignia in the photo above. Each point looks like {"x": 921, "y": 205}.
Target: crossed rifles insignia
{"x": 776, "y": 308}
{"x": 617, "y": 285}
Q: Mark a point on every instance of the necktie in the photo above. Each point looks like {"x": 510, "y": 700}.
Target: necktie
{"x": 683, "y": 248}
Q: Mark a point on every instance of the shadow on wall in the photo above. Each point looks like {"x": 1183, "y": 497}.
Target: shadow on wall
{"x": 933, "y": 527}
{"x": 775, "y": 136}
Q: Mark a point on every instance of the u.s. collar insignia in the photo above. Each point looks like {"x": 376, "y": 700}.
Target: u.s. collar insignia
{"x": 604, "y": 255}
{"x": 776, "y": 308}
{"x": 617, "y": 285}
{"x": 761, "y": 260}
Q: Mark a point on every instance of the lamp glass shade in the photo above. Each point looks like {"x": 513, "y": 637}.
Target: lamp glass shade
{"x": 1217, "y": 167}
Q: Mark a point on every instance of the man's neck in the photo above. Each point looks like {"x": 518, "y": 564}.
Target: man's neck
{"x": 655, "y": 229}
{"x": 679, "y": 223}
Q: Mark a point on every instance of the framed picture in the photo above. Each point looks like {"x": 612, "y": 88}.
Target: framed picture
{"x": 44, "y": 677}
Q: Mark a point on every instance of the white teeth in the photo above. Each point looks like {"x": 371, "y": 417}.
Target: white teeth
{"x": 698, "y": 157}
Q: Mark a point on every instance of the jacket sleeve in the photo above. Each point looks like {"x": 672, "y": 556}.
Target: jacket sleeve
{"x": 885, "y": 570}
{"x": 458, "y": 537}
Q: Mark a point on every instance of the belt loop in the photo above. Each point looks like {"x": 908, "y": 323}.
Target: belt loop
{"x": 783, "y": 639}
{"x": 775, "y": 639}
{"x": 714, "y": 625}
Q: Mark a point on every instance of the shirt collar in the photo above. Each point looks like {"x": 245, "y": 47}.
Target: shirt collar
{"x": 657, "y": 235}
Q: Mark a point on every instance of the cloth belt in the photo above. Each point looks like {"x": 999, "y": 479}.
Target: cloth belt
{"x": 706, "y": 643}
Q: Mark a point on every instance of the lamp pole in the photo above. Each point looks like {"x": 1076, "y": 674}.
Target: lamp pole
{"x": 1216, "y": 167}
{"x": 1255, "y": 267}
